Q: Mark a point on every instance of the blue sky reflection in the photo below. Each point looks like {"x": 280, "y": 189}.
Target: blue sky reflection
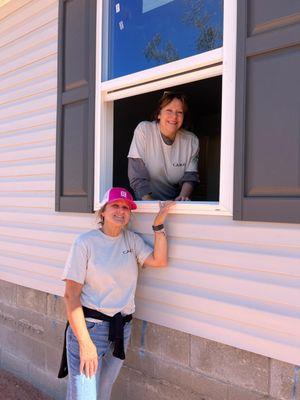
{"x": 147, "y": 33}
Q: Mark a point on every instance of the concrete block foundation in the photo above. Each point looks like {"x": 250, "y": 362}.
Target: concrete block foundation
{"x": 161, "y": 363}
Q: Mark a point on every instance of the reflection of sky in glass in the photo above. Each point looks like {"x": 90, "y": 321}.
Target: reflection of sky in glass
{"x": 147, "y": 33}
{"x": 149, "y": 5}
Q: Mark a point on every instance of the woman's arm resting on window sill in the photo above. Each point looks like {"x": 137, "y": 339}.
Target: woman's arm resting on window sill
{"x": 139, "y": 178}
{"x": 189, "y": 181}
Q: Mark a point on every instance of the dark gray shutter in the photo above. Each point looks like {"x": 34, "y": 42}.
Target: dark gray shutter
{"x": 267, "y": 148}
{"x": 76, "y": 106}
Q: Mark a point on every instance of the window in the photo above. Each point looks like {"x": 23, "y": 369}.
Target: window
{"x": 124, "y": 74}
{"x": 205, "y": 109}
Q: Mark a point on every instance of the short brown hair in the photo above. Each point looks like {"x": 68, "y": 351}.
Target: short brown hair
{"x": 166, "y": 98}
{"x": 100, "y": 219}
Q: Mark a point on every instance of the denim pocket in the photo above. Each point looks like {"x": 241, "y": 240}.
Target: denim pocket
{"x": 90, "y": 325}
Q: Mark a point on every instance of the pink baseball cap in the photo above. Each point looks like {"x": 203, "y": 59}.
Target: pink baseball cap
{"x": 118, "y": 193}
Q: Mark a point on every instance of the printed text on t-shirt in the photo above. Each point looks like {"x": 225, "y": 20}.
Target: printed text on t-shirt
{"x": 179, "y": 164}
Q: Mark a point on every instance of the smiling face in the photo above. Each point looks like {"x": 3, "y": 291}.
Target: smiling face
{"x": 116, "y": 214}
{"x": 171, "y": 118}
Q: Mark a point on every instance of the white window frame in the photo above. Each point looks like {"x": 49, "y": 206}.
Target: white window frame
{"x": 216, "y": 62}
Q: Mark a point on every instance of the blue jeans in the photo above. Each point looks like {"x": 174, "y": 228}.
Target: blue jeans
{"x": 100, "y": 385}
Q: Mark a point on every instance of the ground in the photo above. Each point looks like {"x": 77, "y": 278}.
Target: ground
{"x": 12, "y": 388}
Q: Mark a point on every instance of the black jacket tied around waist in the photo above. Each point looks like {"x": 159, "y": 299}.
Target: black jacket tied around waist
{"x": 115, "y": 335}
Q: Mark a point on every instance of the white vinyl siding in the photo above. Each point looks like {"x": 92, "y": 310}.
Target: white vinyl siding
{"x": 34, "y": 240}
{"x": 234, "y": 282}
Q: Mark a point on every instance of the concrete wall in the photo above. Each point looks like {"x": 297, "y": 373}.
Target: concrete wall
{"x": 31, "y": 336}
{"x": 161, "y": 363}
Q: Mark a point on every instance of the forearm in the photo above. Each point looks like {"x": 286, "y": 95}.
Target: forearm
{"x": 186, "y": 189}
{"x": 76, "y": 319}
{"x": 160, "y": 251}
{"x": 139, "y": 178}
{"x": 159, "y": 256}
{"x": 87, "y": 350}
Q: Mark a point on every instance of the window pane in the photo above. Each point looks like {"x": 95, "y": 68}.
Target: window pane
{"x": 146, "y": 33}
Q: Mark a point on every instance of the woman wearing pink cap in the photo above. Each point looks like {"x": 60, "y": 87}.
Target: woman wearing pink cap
{"x": 101, "y": 277}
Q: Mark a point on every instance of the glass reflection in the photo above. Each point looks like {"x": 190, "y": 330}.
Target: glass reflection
{"x": 146, "y": 33}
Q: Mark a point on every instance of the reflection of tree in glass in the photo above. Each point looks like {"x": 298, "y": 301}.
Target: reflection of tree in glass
{"x": 209, "y": 36}
{"x": 155, "y": 51}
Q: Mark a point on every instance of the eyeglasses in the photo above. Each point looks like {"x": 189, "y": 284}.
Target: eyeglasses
{"x": 174, "y": 95}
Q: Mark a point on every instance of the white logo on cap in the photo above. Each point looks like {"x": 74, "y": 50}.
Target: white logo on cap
{"x": 123, "y": 194}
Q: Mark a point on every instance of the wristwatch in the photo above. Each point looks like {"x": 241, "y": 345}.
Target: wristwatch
{"x": 158, "y": 228}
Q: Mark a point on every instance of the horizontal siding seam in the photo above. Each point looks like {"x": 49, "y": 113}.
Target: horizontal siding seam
{"x": 27, "y": 51}
{"x": 32, "y": 16}
{"x": 21, "y": 70}
{"x": 35, "y": 31}
{"x": 29, "y": 64}
{"x": 11, "y": 101}
{"x": 12, "y": 87}
{"x": 15, "y": 10}
{"x": 22, "y": 131}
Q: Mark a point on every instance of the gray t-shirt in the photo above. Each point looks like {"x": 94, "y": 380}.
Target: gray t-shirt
{"x": 165, "y": 163}
{"x": 108, "y": 268}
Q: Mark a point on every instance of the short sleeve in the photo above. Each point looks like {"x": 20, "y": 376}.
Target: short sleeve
{"x": 76, "y": 265}
{"x": 137, "y": 147}
{"x": 193, "y": 162}
{"x": 142, "y": 249}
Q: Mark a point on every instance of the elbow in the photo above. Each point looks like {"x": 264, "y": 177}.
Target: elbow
{"x": 161, "y": 263}
{"x": 67, "y": 298}
{"x": 72, "y": 294}
{"x": 71, "y": 298}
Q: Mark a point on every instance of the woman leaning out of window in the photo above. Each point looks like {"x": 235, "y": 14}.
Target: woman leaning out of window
{"x": 101, "y": 277}
{"x": 163, "y": 157}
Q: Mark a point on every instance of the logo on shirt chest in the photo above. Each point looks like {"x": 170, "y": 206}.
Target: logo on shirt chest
{"x": 179, "y": 164}
{"x": 127, "y": 251}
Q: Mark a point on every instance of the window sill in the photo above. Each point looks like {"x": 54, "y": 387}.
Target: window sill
{"x": 188, "y": 207}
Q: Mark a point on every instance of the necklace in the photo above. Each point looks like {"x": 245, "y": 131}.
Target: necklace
{"x": 167, "y": 140}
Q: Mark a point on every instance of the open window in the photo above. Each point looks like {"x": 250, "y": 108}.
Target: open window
{"x": 197, "y": 57}
{"x": 205, "y": 122}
